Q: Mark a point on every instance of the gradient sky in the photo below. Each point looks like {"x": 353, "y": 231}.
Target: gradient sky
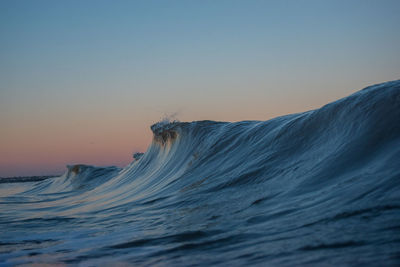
{"x": 82, "y": 81}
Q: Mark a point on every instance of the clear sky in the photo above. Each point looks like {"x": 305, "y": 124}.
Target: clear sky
{"x": 82, "y": 81}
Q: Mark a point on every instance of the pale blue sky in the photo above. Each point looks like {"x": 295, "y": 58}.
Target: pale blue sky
{"x": 80, "y": 72}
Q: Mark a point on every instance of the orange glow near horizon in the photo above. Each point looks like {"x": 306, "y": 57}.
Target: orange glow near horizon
{"x": 41, "y": 146}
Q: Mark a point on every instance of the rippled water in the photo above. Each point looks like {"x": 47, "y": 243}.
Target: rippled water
{"x": 318, "y": 188}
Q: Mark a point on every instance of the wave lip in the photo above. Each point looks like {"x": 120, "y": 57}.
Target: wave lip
{"x": 164, "y": 131}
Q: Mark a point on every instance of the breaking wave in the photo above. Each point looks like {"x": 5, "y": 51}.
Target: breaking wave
{"x": 319, "y": 187}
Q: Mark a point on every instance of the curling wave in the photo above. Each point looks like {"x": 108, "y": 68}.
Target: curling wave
{"x": 319, "y": 187}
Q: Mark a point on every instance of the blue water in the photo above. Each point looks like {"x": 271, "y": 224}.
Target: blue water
{"x": 315, "y": 188}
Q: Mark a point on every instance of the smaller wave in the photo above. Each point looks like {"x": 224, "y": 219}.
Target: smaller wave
{"x": 136, "y": 156}
{"x": 23, "y": 179}
{"x": 78, "y": 177}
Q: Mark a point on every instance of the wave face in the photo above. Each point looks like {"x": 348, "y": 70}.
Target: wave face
{"x": 319, "y": 187}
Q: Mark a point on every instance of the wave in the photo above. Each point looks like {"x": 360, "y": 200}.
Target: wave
{"x": 319, "y": 187}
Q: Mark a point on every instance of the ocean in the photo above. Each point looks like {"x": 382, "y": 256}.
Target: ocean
{"x": 320, "y": 187}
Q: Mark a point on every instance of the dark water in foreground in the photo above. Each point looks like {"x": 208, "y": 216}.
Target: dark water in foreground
{"x": 315, "y": 188}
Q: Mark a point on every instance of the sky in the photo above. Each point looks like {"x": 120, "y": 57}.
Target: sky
{"x": 82, "y": 81}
